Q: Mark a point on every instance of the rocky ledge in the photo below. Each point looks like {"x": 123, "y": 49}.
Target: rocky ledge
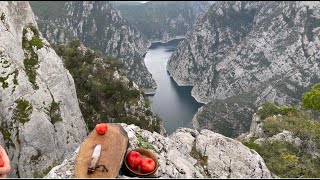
{"x": 187, "y": 153}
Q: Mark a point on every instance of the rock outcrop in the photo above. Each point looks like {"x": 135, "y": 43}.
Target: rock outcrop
{"x": 100, "y": 27}
{"x": 287, "y": 140}
{"x": 162, "y": 20}
{"x": 258, "y": 132}
{"x": 40, "y": 118}
{"x": 245, "y": 53}
{"x": 188, "y": 153}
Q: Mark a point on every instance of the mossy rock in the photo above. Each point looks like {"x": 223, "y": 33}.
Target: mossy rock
{"x": 22, "y": 111}
{"x": 31, "y": 61}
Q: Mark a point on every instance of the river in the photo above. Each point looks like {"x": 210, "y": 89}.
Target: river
{"x": 174, "y": 104}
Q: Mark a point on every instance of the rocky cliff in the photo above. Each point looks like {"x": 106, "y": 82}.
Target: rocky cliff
{"x": 240, "y": 54}
{"x": 40, "y": 118}
{"x": 187, "y": 153}
{"x": 100, "y": 27}
{"x": 162, "y": 20}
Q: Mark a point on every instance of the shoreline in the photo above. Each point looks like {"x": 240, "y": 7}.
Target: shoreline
{"x": 166, "y": 41}
{"x": 195, "y": 122}
{"x": 152, "y": 92}
{"x": 197, "y": 99}
{"x": 182, "y": 84}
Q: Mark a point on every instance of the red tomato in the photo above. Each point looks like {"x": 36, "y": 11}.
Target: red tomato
{"x": 134, "y": 159}
{"x": 147, "y": 165}
{"x": 1, "y": 162}
{"x": 101, "y": 128}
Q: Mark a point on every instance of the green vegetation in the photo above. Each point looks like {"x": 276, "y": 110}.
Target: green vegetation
{"x": 101, "y": 96}
{"x": 217, "y": 114}
{"x": 287, "y": 161}
{"x": 141, "y": 122}
{"x": 305, "y": 129}
{"x": 43, "y": 173}
{"x": 3, "y": 81}
{"x": 31, "y": 61}
{"x": 55, "y": 114}
{"x": 5, "y": 131}
{"x": 269, "y": 109}
{"x": 311, "y": 100}
{"x": 35, "y": 158}
{"x": 36, "y": 41}
{"x": 143, "y": 143}
{"x": 202, "y": 160}
{"x": 283, "y": 158}
{"x": 5, "y": 64}
{"x": 2, "y": 17}
{"x": 148, "y": 112}
{"x": 15, "y": 80}
{"x": 22, "y": 111}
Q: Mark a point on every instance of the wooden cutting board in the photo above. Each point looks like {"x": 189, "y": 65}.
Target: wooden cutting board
{"x": 114, "y": 145}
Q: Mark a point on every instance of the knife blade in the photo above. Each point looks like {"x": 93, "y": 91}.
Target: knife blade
{"x": 95, "y": 159}
{"x": 96, "y": 152}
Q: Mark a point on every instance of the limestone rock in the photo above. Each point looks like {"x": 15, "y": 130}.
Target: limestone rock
{"x": 287, "y": 136}
{"x": 41, "y": 122}
{"x": 228, "y": 158}
{"x": 255, "y": 128}
{"x": 179, "y": 155}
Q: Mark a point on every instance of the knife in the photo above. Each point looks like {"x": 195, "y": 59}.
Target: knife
{"x": 95, "y": 159}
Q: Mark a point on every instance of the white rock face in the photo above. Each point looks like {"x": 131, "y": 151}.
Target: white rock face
{"x": 226, "y": 158}
{"x": 267, "y": 50}
{"x": 41, "y": 122}
{"x": 255, "y": 127}
{"x": 287, "y": 136}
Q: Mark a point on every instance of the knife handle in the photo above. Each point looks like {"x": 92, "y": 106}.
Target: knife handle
{"x": 93, "y": 165}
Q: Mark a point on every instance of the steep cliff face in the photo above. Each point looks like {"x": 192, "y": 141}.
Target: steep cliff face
{"x": 98, "y": 26}
{"x": 187, "y": 153}
{"x": 41, "y": 121}
{"x": 160, "y": 20}
{"x": 249, "y": 52}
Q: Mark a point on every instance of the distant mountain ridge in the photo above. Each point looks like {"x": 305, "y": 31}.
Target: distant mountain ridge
{"x": 241, "y": 54}
{"x": 162, "y": 20}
